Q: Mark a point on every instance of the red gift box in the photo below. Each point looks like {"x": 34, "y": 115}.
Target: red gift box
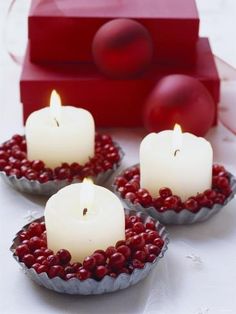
{"x": 112, "y": 102}
{"x": 63, "y": 30}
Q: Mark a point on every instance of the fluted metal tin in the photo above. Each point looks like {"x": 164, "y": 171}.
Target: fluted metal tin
{"x": 184, "y": 216}
{"x": 91, "y": 286}
{"x": 51, "y": 187}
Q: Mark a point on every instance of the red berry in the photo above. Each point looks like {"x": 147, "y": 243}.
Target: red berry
{"x": 222, "y": 182}
{"x": 150, "y": 258}
{"x": 216, "y": 169}
{"x": 150, "y": 225}
{"x": 38, "y": 252}
{"x": 31, "y": 175}
{"x": 35, "y": 229}
{"x": 152, "y": 249}
{"x": 69, "y": 276}
{"x": 89, "y": 263}
{"x": 110, "y": 250}
{"x": 38, "y": 165}
{"x": 15, "y": 172}
{"x": 139, "y": 255}
{"x": 130, "y": 196}
{"x": 48, "y": 252}
{"x": 4, "y": 155}
{"x": 171, "y": 202}
{"x": 136, "y": 242}
{"x": 35, "y": 243}
{"x": 56, "y": 271}
{"x": 36, "y": 266}
{"x": 138, "y": 227}
{"x": 17, "y": 138}
{"x": 28, "y": 260}
{"x": 3, "y": 164}
{"x": 137, "y": 264}
{"x": 220, "y": 198}
{"x": 100, "y": 259}
{"x": 43, "y": 177}
{"x": 42, "y": 269}
{"x": 7, "y": 170}
{"x": 191, "y": 204}
{"x": 76, "y": 266}
{"x": 53, "y": 260}
{"x": 158, "y": 242}
{"x": 22, "y": 250}
{"x": 24, "y": 235}
{"x": 101, "y": 271}
{"x": 64, "y": 256}
{"x": 83, "y": 274}
{"x": 40, "y": 259}
{"x": 151, "y": 236}
{"x": 165, "y": 192}
{"x": 117, "y": 260}
{"x": 63, "y": 173}
{"x": 210, "y": 194}
{"x": 125, "y": 250}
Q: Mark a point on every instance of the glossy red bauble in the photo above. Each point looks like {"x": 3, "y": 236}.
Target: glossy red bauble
{"x": 122, "y": 48}
{"x": 179, "y": 99}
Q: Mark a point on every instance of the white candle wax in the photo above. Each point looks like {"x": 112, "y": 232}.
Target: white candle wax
{"x": 58, "y": 134}
{"x": 181, "y": 162}
{"x": 83, "y": 219}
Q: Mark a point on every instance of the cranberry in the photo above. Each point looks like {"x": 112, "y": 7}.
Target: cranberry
{"x": 201, "y": 199}
{"x": 22, "y": 250}
{"x": 101, "y": 271}
{"x": 42, "y": 269}
{"x": 7, "y": 169}
{"x": 219, "y": 199}
{"x": 24, "y": 235}
{"x": 158, "y": 242}
{"x": 28, "y": 260}
{"x": 138, "y": 227}
{"x": 38, "y": 252}
{"x": 150, "y": 258}
{"x": 137, "y": 264}
{"x": 48, "y": 252}
{"x": 150, "y": 225}
{"x": 3, "y": 164}
{"x": 63, "y": 173}
{"x": 216, "y": 169}
{"x": 89, "y": 263}
{"x": 152, "y": 235}
{"x": 38, "y": 165}
{"x": 35, "y": 243}
{"x": 56, "y": 271}
{"x": 222, "y": 182}
{"x": 171, "y": 202}
{"x": 210, "y": 194}
{"x": 139, "y": 255}
{"x": 110, "y": 250}
{"x": 35, "y": 229}
{"x": 136, "y": 242}
{"x": 152, "y": 249}
{"x": 165, "y": 192}
{"x": 31, "y": 175}
{"x": 163, "y": 209}
{"x": 4, "y": 155}
{"x": 36, "y": 266}
{"x": 64, "y": 256}
{"x": 76, "y": 266}
{"x": 40, "y": 259}
{"x": 100, "y": 259}
{"x": 123, "y": 270}
{"x": 191, "y": 204}
{"x": 130, "y": 196}
{"x": 17, "y": 138}
{"x": 75, "y": 168}
{"x": 53, "y": 260}
{"x": 117, "y": 260}
{"x": 43, "y": 177}
{"x": 18, "y": 154}
{"x": 83, "y": 274}
{"x": 125, "y": 250}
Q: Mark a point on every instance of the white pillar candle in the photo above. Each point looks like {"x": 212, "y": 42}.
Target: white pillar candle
{"x": 181, "y": 162}
{"x": 58, "y": 134}
{"x": 82, "y": 218}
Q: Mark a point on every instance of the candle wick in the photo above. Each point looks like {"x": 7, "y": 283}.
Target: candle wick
{"x": 85, "y": 211}
{"x": 176, "y": 151}
{"x": 57, "y": 122}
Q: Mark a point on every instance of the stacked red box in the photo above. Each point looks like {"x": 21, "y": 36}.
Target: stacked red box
{"x": 63, "y": 30}
{"x": 59, "y": 55}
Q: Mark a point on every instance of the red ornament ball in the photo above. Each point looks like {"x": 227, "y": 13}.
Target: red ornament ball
{"x": 180, "y": 99}
{"x": 122, "y": 48}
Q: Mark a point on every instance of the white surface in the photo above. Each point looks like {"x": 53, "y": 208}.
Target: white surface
{"x": 197, "y": 275}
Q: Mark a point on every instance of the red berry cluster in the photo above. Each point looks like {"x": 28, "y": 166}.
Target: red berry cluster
{"x": 13, "y": 161}
{"x": 128, "y": 186}
{"x": 143, "y": 244}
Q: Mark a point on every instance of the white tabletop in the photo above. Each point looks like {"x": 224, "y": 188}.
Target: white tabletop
{"x": 197, "y": 275}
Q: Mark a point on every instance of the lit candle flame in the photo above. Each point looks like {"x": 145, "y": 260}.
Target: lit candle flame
{"x": 55, "y": 107}
{"x": 177, "y": 139}
{"x": 86, "y": 195}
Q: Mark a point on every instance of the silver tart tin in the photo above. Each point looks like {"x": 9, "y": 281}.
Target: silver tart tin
{"x": 51, "y": 187}
{"x": 171, "y": 217}
{"x": 91, "y": 286}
